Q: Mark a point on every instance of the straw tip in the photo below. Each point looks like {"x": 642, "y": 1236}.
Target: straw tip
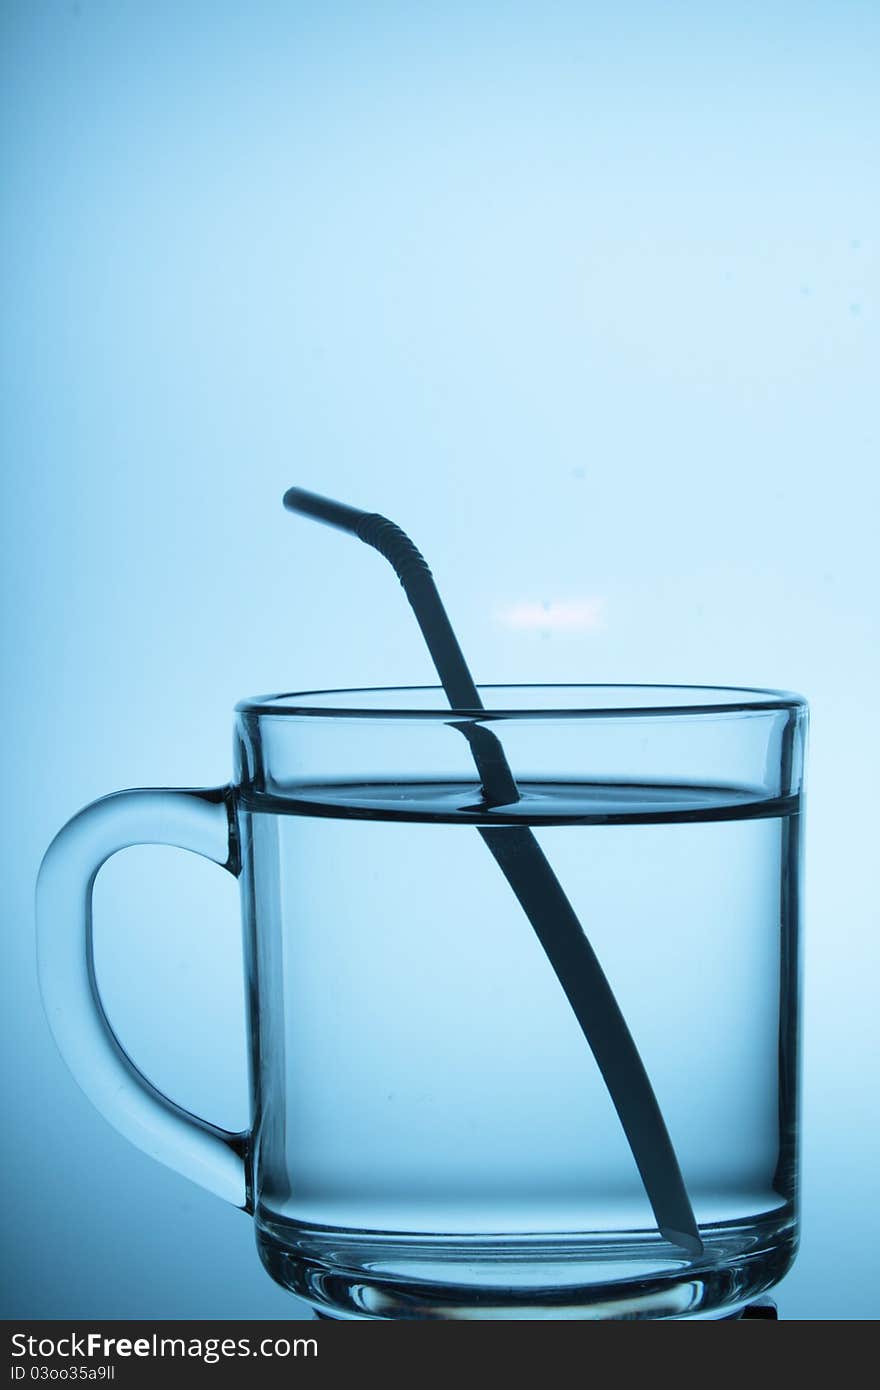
{"x": 687, "y": 1240}
{"x": 325, "y": 509}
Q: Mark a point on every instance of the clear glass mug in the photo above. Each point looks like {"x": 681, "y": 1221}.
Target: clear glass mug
{"x": 431, "y": 1135}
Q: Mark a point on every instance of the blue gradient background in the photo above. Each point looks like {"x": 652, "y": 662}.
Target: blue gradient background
{"x": 585, "y": 297}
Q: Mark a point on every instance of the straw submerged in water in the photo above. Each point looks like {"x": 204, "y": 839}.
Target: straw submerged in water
{"x": 530, "y": 875}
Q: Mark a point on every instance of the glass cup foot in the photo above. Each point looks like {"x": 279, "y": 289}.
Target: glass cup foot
{"x": 368, "y": 1276}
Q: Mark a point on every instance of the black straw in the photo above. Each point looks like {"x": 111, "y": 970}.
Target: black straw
{"x": 530, "y": 875}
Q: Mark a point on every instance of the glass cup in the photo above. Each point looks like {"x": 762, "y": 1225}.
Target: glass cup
{"x": 436, "y": 1132}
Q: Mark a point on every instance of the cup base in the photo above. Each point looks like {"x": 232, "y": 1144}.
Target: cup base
{"x": 357, "y": 1276}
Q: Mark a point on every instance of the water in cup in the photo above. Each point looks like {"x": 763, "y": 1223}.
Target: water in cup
{"x": 429, "y": 1110}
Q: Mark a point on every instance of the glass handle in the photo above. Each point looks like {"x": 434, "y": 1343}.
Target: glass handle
{"x": 198, "y": 820}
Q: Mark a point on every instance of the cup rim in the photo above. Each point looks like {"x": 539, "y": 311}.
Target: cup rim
{"x": 729, "y": 700}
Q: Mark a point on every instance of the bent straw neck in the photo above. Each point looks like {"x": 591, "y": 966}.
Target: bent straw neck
{"x": 414, "y": 573}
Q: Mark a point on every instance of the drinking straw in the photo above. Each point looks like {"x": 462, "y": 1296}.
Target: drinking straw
{"x": 530, "y": 875}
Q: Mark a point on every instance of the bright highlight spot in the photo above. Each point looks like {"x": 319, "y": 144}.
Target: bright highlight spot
{"x": 564, "y": 615}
